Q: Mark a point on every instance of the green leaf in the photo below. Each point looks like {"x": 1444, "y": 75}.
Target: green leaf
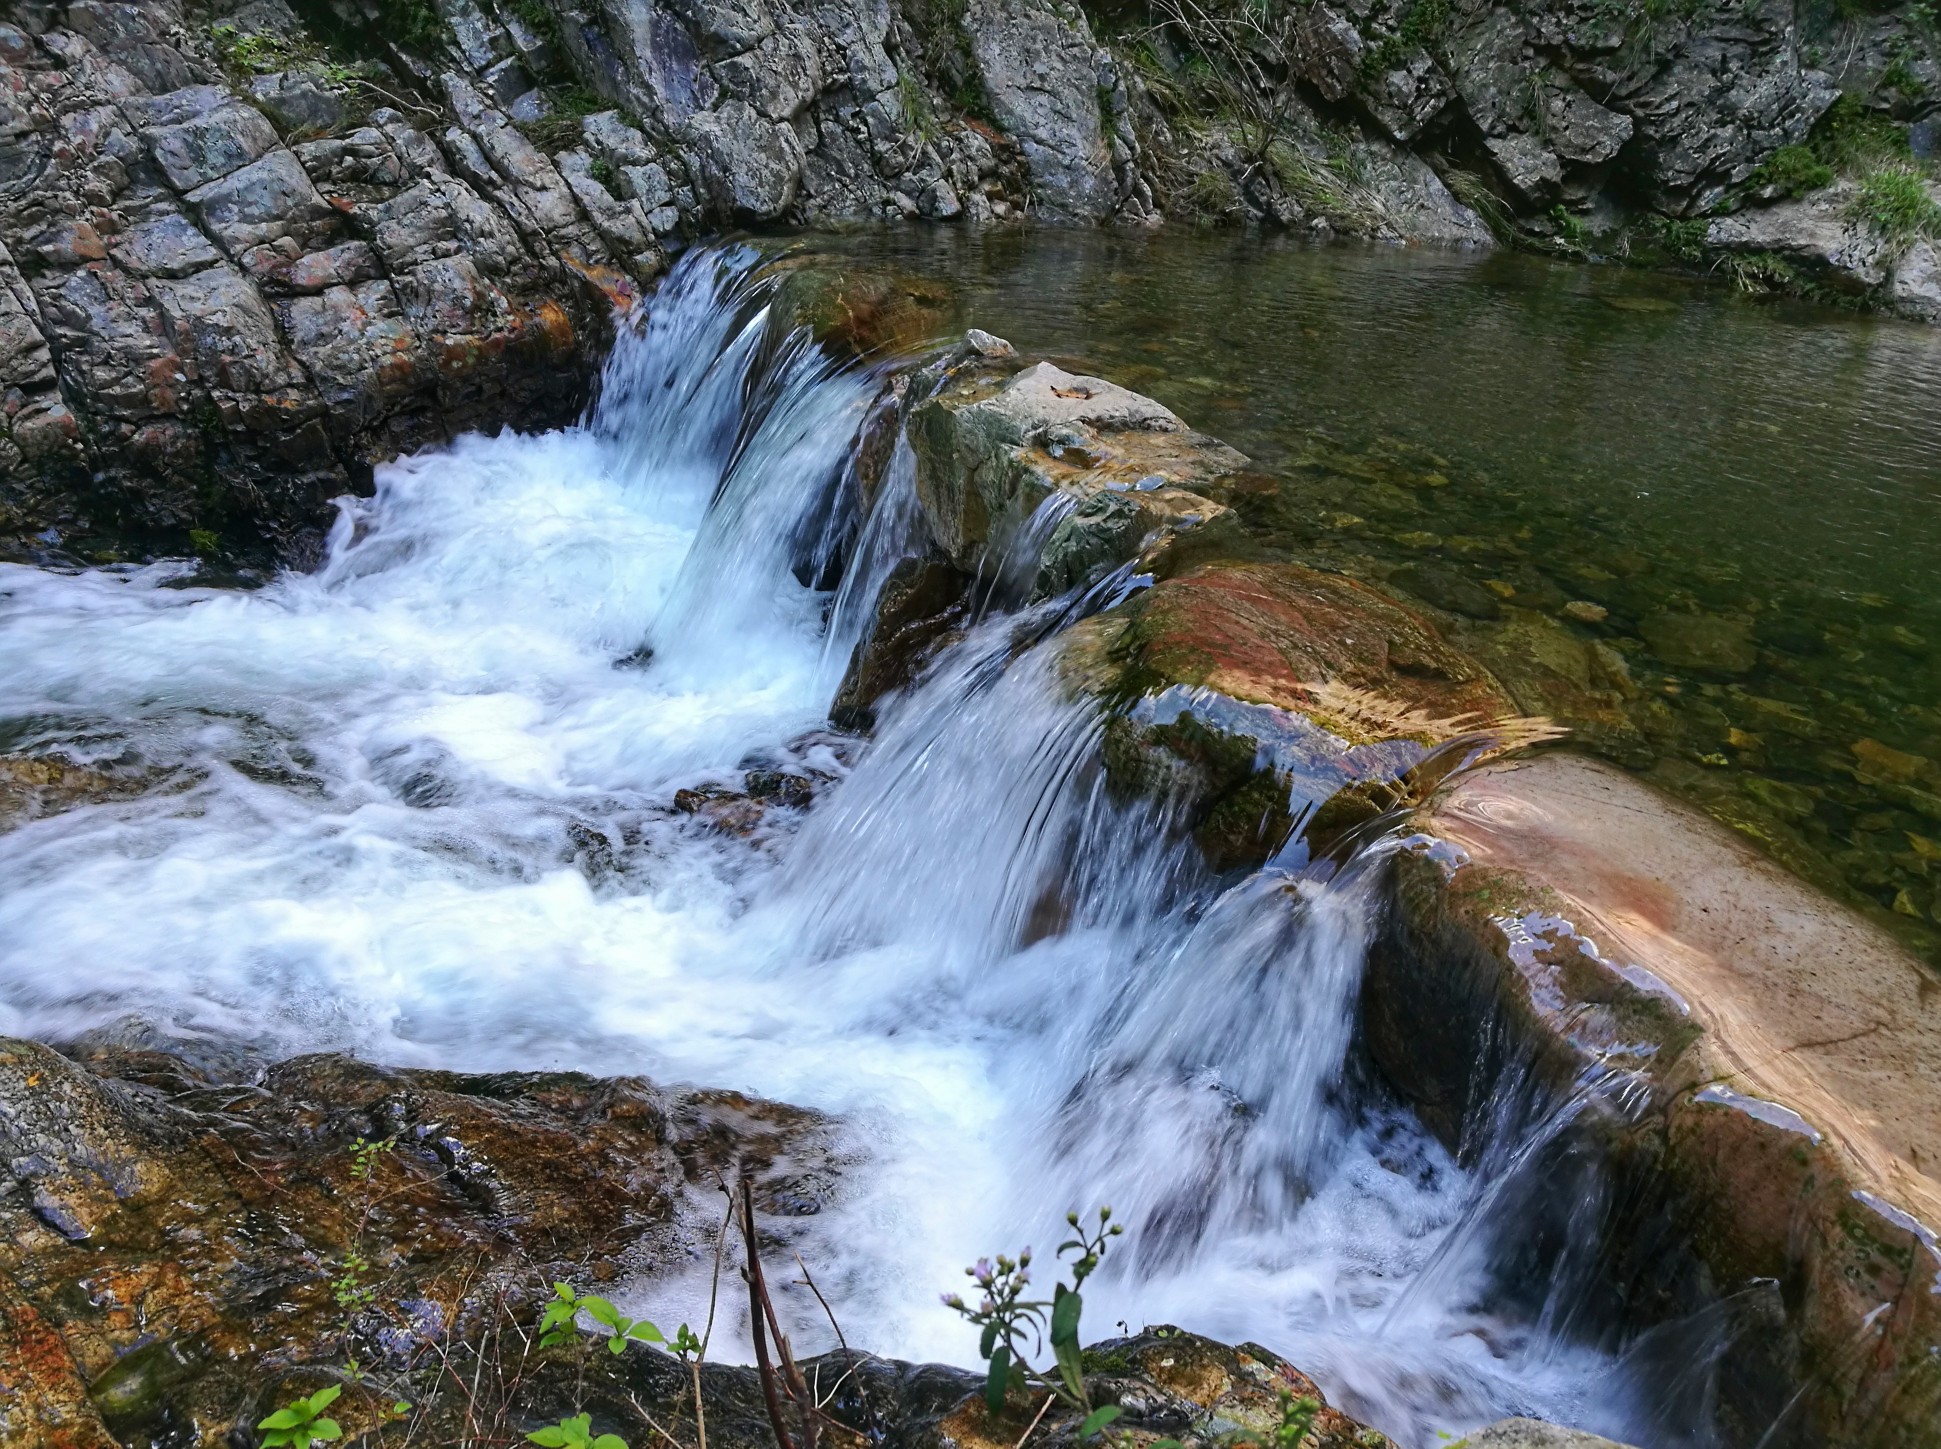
{"x": 326, "y": 1429}
{"x": 1065, "y": 1308}
{"x": 645, "y": 1332}
{"x": 609, "y": 1441}
{"x": 275, "y": 1437}
{"x": 1071, "y": 1368}
{"x": 602, "y": 1311}
{"x": 988, "y": 1341}
{"x": 552, "y": 1437}
{"x": 996, "y": 1382}
{"x": 282, "y": 1419}
{"x": 1098, "y": 1419}
{"x": 325, "y": 1397}
{"x": 616, "y": 1344}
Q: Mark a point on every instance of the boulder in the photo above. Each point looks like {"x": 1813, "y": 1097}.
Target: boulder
{"x": 1532, "y": 1434}
{"x": 1780, "y": 1061}
{"x": 1037, "y": 61}
{"x": 1278, "y": 703}
{"x": 749, "y": 165}
{"x": 236, "y": 1217}
{"x": 1039, "y": 479}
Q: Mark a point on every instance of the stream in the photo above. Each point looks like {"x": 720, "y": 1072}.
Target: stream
{"x": 417, "y": 805}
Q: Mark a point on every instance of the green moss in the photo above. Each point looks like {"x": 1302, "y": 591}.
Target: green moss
{"x": 1793, "y": 171}
{"x": 1894, "y": 203}
{"x": 205, "y": 542}
{"x": 538, "y": 16}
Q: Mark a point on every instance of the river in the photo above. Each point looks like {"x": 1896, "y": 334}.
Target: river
{"x": 418, "y": 805}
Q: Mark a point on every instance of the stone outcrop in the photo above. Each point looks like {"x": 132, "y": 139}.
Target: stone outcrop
{"x": 1777, "y": 1057}
{"x": 192, "y": 1239}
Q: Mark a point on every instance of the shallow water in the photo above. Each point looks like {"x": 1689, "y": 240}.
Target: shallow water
{"x": 1495, "y": 435}
{"x": 420, "y": 806}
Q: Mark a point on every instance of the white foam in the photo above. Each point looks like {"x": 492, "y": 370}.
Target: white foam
{"x": 1020, "y": 997}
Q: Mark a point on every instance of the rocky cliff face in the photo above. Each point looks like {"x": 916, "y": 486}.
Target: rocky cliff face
{"x": 249, "y": 249}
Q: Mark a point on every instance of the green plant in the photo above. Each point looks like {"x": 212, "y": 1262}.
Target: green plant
{"x": 1570, "y": 231}
{"x": 302, "y": 1424}
{"x": 1297, "y": 1418}
{"x": 560, "y": 127}
{"x": 1792, "y": 171}
{"x": 1894, "y": 202}
{"x": 1211, "y": 195}
{"x": 559, "y": 1323}
{"x": 1852, "y": 139}
{"x": 574, "y": 1433}
{"x": 1015, "y": 1326}
{"x": 205, "y": 542}
{"x": 1682, "y": 239}
{"x": 416, "y": 23}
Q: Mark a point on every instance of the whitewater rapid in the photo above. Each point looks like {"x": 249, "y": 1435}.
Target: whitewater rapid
{"x": 417, "y": 805}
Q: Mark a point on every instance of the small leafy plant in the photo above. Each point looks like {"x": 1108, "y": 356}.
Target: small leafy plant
{"x": 302, "y": 1423}
{"x": 1014, "y": 1327}
{"x": 575, "y": 1433}
{"x": 559, "y": 1323}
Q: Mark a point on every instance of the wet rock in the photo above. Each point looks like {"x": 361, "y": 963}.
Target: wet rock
{"x": 1040, "y": 479}
{"x": 1269, "y": 697}
{"x": 922, "y": 604}
{"x": 1532, "y": 1434}
{"x": 219, "y": 1213}
{"x": 32, "y": 786}
{"x": 1778, "y": 1057}
{"x": 1706, "y": 642}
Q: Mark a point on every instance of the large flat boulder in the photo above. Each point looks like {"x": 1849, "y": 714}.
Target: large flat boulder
{"x": 1050, "y": 477}
{"x": 1782, "y": 1057}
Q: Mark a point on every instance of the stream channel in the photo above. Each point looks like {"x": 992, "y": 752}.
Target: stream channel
{"x": 417, "y": 804}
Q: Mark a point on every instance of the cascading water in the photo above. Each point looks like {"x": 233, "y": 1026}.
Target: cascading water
{"x": 375, "y": 796}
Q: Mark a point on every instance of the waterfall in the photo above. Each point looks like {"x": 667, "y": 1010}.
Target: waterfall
{"x": 357, "y": 819}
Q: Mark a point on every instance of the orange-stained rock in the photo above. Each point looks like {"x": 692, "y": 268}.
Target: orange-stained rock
{"x": 1268, "y": 699}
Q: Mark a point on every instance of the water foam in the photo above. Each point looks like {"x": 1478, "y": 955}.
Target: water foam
{"x": 378, "y": 791}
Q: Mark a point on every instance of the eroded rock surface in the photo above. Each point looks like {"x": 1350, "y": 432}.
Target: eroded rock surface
{"x": 1784, "y": 1056}
{"x": 180, "y": 1229}
{"x": 191, "y": 1240}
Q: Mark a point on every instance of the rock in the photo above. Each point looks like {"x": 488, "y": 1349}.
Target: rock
{"x": 1782, "y": 1056}
{"x": 750, "y": 166}
{"x": 248, "y": 1179}
{"x": 1039, "y": 71}
{"x": 298, "y": 101}
{"x": 1708, "y": 643}
{"x": 1816, "y": 233}
{"x": 1266, "y": 697}
{"x": 1532, "y": 1434}
{"x": 1041, "y": 479}
{"x": 1583, "y": 611}
{"x": 922, "y": 604}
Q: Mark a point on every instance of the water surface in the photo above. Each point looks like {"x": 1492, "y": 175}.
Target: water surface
{"x": 1499, "y": 438}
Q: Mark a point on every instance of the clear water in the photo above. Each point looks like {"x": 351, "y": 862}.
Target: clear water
{"x": 418, "y": 805}
{"x": 1496, "y": 433}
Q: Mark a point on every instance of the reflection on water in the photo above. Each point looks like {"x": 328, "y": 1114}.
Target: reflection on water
{"x": 1702, "y": 530}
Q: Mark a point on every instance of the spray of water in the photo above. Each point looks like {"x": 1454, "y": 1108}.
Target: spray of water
{"x": 370, "y": 792}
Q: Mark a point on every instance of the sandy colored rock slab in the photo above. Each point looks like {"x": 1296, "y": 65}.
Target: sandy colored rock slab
{"x": 1803, "y": 1003}
{"x": 1532, "y": 1434}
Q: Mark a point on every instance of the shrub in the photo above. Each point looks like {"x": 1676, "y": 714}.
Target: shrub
{"x": 1895, "y": 203}
{"x": 302, "y": 1424}
{"x": 1793, "y": 171}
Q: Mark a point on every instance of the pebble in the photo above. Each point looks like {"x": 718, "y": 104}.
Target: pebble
{"x": 1585, "y": 612}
